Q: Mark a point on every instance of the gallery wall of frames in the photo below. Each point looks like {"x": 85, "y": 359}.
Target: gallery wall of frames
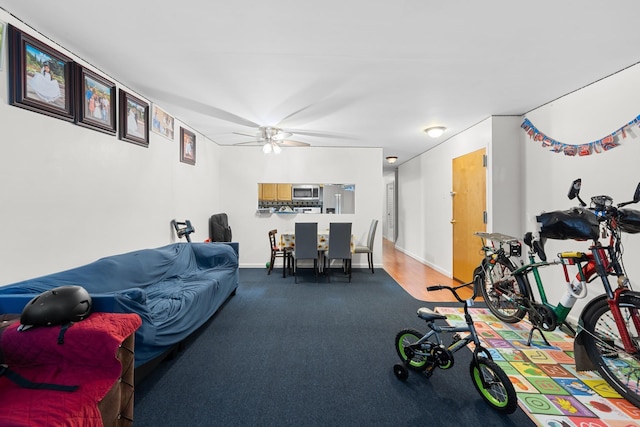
{"x": 45, "y": 81}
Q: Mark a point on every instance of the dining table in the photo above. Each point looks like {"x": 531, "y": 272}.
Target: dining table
{"x": 288, "y": 242}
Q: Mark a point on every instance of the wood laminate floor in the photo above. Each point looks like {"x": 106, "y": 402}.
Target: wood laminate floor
{"x": 414, "y": 276}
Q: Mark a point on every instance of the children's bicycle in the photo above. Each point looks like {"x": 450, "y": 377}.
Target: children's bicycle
{"x": 425, "y": 352}
{"x": 608, "y": 337}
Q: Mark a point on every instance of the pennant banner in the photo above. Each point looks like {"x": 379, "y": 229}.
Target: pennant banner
{"x": 604, "y": 144}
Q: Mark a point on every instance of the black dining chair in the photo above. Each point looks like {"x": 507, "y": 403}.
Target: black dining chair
{"x": 278, "y": 252}
{"x": 369, "y": 248}
{"x": 339, "y": 247}
{"x": 306, "y": 246}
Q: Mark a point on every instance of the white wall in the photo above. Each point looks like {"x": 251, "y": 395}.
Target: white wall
{"x": 583, "y": 116}
{"x": 424, "y": 198}
{"x": 525, "y": 179}
{"x": 70, "y": 195}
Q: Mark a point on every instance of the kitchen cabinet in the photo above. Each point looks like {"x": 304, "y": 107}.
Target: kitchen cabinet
{"x": 284, "y": 192}
{"x": 268, "y": 192}
{"x": 274, "y": 192}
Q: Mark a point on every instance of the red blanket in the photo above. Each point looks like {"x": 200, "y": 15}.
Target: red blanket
{"x": 87, "y": 358}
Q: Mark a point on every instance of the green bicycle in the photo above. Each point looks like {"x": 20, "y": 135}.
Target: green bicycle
{"x": 424, "y": 352}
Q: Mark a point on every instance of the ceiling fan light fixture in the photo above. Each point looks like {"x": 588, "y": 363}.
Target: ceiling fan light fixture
{"x": 435, "y": 131}
{"x": 271, "y": 147}
{"x": 392, "y": 159}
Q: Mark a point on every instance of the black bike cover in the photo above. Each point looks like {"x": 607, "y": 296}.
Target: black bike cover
{"x": 575, "y": 223}
{"x": 629, "y": 220}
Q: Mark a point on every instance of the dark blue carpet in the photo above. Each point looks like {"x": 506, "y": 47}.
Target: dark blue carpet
{"x": 309, "y": 354}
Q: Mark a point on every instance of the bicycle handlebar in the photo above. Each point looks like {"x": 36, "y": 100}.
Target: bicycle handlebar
{"x": 454, "y": 290}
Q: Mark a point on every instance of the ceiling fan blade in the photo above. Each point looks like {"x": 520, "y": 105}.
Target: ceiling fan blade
{"x": 281, "y": 136}
{"x": 289, "y": 143}
{"x": 200, "y": 107}
{"x": 256, "y": 143}
{"x": 318, "y": 109}
{"x": 255, "y": 135}
{"x": 320, "y": 134}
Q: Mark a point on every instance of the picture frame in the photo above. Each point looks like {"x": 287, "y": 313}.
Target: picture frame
{"x": 40, "y": 77}
{"x": 3, "y": 37}
{"x": 162, "y": 122}
{"x": 134, "y": 119}
{"x": 187, "y": 146}
{"x": 95, "y": 101}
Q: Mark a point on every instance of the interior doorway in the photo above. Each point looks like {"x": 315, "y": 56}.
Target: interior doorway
{"x": 469, "y": 212}
{"x": 390, "y": 216}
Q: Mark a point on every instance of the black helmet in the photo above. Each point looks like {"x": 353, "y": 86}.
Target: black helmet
{"x": 57, "y": 306}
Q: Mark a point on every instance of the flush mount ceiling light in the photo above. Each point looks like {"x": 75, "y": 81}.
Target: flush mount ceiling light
{"x": 436, "y": 131}
{"x": 392, "y": 159}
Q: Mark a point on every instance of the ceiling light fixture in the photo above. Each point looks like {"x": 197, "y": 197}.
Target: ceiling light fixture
{"x": 271, "y": 147}
{"x": 392, "y": 159}
{"x": 436, "y": 131}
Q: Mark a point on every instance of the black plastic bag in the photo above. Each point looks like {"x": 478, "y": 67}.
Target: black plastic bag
{"x": 575, "y": 224}
{"x": 629, "y": 221}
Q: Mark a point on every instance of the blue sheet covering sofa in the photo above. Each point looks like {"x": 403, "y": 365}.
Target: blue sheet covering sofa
{"x": 175, "y": 289}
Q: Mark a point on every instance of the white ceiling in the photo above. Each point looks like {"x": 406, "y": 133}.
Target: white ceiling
{"x": 370, "y": 73}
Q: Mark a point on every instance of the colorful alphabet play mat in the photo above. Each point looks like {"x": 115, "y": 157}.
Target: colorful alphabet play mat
{"x": 549, "y": 388}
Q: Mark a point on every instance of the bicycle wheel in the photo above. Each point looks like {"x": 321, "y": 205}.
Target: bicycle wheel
{"x": 604, "y": 346}
{"x": 502, "y": 290}
{"x": 494, "y": 385}
{"x": 413, "y": 360}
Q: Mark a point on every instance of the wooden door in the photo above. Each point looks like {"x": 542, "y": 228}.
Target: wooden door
{"x": 391, "y": 209}
{"x": 469, "y": 212}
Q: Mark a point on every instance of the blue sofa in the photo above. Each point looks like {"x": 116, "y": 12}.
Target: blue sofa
{"x": 175, "y": 289}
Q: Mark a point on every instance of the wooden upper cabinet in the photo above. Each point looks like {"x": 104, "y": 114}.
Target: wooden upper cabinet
{"x": 269, "y": 192}
{"x": 284, "y": 192}
{"x": 274, "y": 192}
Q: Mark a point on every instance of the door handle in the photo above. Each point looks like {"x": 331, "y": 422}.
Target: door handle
{"x": 453, "y": 221}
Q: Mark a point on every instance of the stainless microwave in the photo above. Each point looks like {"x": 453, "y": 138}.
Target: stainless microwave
{"x": 305, "y": 192}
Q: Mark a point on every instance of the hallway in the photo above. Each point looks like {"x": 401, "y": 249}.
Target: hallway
{"x": 414, "y": 276}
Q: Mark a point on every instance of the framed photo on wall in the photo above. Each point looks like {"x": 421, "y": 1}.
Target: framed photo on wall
{"x": 161, "y": 122}
{"x": 187, "y": 146}
{"x": 40, "y": 78}
{"x": 134, "y": 119}
{"x": 96, "y": 101}
{"x": 3, "y": 32}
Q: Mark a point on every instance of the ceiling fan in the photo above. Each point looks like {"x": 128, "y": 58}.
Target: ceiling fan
{"x": 272, "y": 139}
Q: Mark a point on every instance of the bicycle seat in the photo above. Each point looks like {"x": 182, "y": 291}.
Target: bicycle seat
{"x": 429, "y": 315}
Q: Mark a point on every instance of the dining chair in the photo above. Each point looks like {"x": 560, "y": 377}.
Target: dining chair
{"x": 339, "y": 246}
{"x": 359, "y": 249}
{"x": 278, "y": 252}
{"x": 306, "y": 246}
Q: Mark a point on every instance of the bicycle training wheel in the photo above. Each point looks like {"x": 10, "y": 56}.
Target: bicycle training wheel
{"x": 601, "y": 337}
{"x": 502, "y": 290}
{"x": 497, "y": 389}
{"x": 405, "y": 338}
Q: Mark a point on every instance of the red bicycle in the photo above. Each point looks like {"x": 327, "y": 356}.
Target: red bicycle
{"x": 608, "y": 337}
